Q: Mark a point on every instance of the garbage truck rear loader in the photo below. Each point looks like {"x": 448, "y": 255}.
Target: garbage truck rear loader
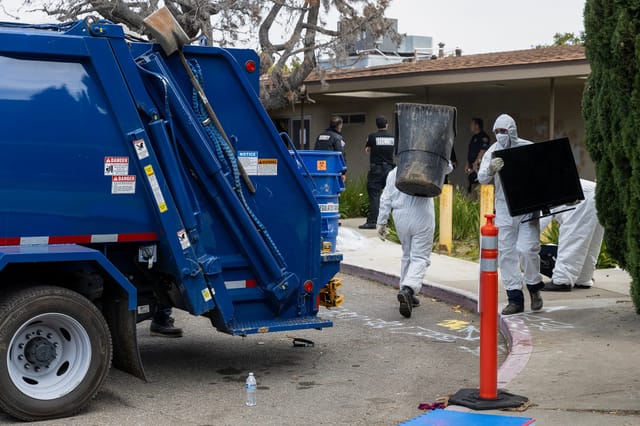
{"x": 118, "y": 192}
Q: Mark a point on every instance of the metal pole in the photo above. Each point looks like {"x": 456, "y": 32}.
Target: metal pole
{"x": 552, "y": 107}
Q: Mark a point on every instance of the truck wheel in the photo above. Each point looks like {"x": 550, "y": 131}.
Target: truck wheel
{"x": 55, "y": 352}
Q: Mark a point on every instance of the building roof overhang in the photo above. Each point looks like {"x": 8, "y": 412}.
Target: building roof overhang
{"x": 543, "y": 63}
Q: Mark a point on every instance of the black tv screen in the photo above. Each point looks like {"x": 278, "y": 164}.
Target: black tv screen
{"x": 539, "y": 176}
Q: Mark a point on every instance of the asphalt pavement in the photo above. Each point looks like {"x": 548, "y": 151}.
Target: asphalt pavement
{"x": 372, "y": 368}
{"x": 576, "y": 360}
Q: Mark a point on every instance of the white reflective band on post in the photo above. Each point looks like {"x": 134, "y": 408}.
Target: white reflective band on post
{"x": 489, "y": 243}
{"x": 488, "y": 265}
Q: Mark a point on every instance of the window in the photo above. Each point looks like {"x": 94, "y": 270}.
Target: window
{"x": 354, "y": 118}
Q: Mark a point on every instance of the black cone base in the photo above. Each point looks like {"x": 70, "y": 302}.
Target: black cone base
{"x": 470, "y": 398}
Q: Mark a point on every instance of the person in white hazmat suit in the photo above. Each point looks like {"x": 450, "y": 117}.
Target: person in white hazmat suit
{"x": 414, "y": 219}
{"x": 518, "y": 243}
{"x": 579, "y": 243}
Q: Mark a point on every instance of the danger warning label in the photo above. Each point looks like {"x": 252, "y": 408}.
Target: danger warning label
{"x": 123, "y": 184}
{"x": 116, "y": 166}
{"x": 267, "y": 167}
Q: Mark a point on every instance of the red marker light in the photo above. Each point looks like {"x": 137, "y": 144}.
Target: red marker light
{"x": 308, "y": 286}
{"x": 250, "y": 66}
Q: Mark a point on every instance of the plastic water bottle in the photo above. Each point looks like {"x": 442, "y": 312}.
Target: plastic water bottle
{"x": 252, "y": 388}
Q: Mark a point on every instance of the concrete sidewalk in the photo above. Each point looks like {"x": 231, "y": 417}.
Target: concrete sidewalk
{"x": 576, "y": 360}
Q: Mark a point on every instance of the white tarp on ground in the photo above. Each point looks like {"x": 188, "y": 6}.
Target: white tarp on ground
{"x": 350, "y": 240}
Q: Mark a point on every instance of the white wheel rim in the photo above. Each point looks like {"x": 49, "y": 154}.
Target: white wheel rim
{"x": 49, "y": 356}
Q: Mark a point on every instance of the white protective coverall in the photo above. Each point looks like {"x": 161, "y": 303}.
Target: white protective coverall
{"x": 579, "y": 240}
{"x": 414, "y": 219}
{"x": 518, "y": 243}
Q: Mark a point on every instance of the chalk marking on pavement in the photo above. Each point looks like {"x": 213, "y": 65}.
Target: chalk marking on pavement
{"x": 465, "y": 331}
{"x": 453, "y": 324}
{"x": 521, "y": 348}
{"x": 542, "y": 323}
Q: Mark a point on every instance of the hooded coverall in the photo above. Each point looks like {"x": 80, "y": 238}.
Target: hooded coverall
{"x": 414, "y": 219}
{"x": 579, "y": 240}
{"x": 518, "y": 243}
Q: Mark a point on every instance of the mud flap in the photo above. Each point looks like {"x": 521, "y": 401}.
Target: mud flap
{"x": 122, "y": 323}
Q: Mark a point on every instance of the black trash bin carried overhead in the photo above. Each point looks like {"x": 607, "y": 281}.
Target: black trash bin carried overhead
{"x": 425, "y": 138}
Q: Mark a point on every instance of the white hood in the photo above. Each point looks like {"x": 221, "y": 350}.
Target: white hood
{"x": 505, "y": 121}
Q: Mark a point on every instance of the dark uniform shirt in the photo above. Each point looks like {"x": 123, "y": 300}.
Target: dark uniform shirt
{"x": 329, "y": 140}
{"x": 381, "y": 144}
{"x": 479, "y": 142}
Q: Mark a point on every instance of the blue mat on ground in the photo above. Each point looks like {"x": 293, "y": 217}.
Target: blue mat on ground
{"x": 458, "y": 418}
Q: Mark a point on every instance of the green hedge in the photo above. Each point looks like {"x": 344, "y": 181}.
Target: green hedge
{"x": 611, "y": 109}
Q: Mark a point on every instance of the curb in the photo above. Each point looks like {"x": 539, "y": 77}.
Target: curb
{"x": 514, "y": 330}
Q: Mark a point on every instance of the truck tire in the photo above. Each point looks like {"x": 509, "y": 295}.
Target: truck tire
{"x": 55, "y": 352}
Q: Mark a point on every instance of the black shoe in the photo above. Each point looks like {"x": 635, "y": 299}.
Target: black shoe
{"x": 581, "y": 287}
{"x": 556, "y": 287}
{"x": 165, "y": 329}
{"x": 536, "y": 300}
{"x": 512, "y": 308}
{"x": 415, "y": 302}
{"x": 536, "y": 297}
{"x": 404, "y": 297}
{"x": 367, "y": 226}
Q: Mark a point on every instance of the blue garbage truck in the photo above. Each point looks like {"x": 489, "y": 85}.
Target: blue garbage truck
{"x": 120, "y": 192}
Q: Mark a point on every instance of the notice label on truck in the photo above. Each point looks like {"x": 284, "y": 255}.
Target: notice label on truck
{"x": 123, "y": 184}
{"x": 116, "y": 166}
{"x": 267, "y": 167}
{"x": 249, "y": 161}
{"x": 155, "y": 188}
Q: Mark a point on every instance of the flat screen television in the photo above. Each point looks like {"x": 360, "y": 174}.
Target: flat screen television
{"x": 539, "y": 177}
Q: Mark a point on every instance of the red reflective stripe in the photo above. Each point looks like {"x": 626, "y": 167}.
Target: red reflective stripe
{"x": 252, "y": 283}
{"x": 10, "y": 241}
{"x": 83, "y": 239}
{"x": 145, "y": 236}
{"x": 69, "y": 239}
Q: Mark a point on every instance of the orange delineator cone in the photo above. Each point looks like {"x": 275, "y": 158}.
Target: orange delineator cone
{"x": 488, "y": 397}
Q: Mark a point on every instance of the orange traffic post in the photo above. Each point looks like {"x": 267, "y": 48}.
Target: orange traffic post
{"x": 489, "y": 309}
{"x": 488, "y": 397}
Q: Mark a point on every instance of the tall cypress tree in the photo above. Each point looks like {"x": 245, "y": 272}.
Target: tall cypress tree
{"x": 611, "y": 109}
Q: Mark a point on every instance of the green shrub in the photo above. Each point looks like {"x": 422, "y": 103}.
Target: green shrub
{"x": 550, "y": 234}
{"x": 611, "y": 111}
{"x": 354, "y": 200}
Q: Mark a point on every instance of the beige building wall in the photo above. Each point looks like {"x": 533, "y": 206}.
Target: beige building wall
{"x": 527, "y": 102}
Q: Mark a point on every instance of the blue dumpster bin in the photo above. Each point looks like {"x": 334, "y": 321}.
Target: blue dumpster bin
{"x": 325, "y": 169}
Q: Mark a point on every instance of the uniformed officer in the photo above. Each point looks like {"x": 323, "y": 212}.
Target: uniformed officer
{"x": 478, "y": 145}
{"x": 331, "y": 139}
{"x": 380, "y": 147}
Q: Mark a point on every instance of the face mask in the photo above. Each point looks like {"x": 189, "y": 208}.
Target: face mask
{"x": 502, "y": 139}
